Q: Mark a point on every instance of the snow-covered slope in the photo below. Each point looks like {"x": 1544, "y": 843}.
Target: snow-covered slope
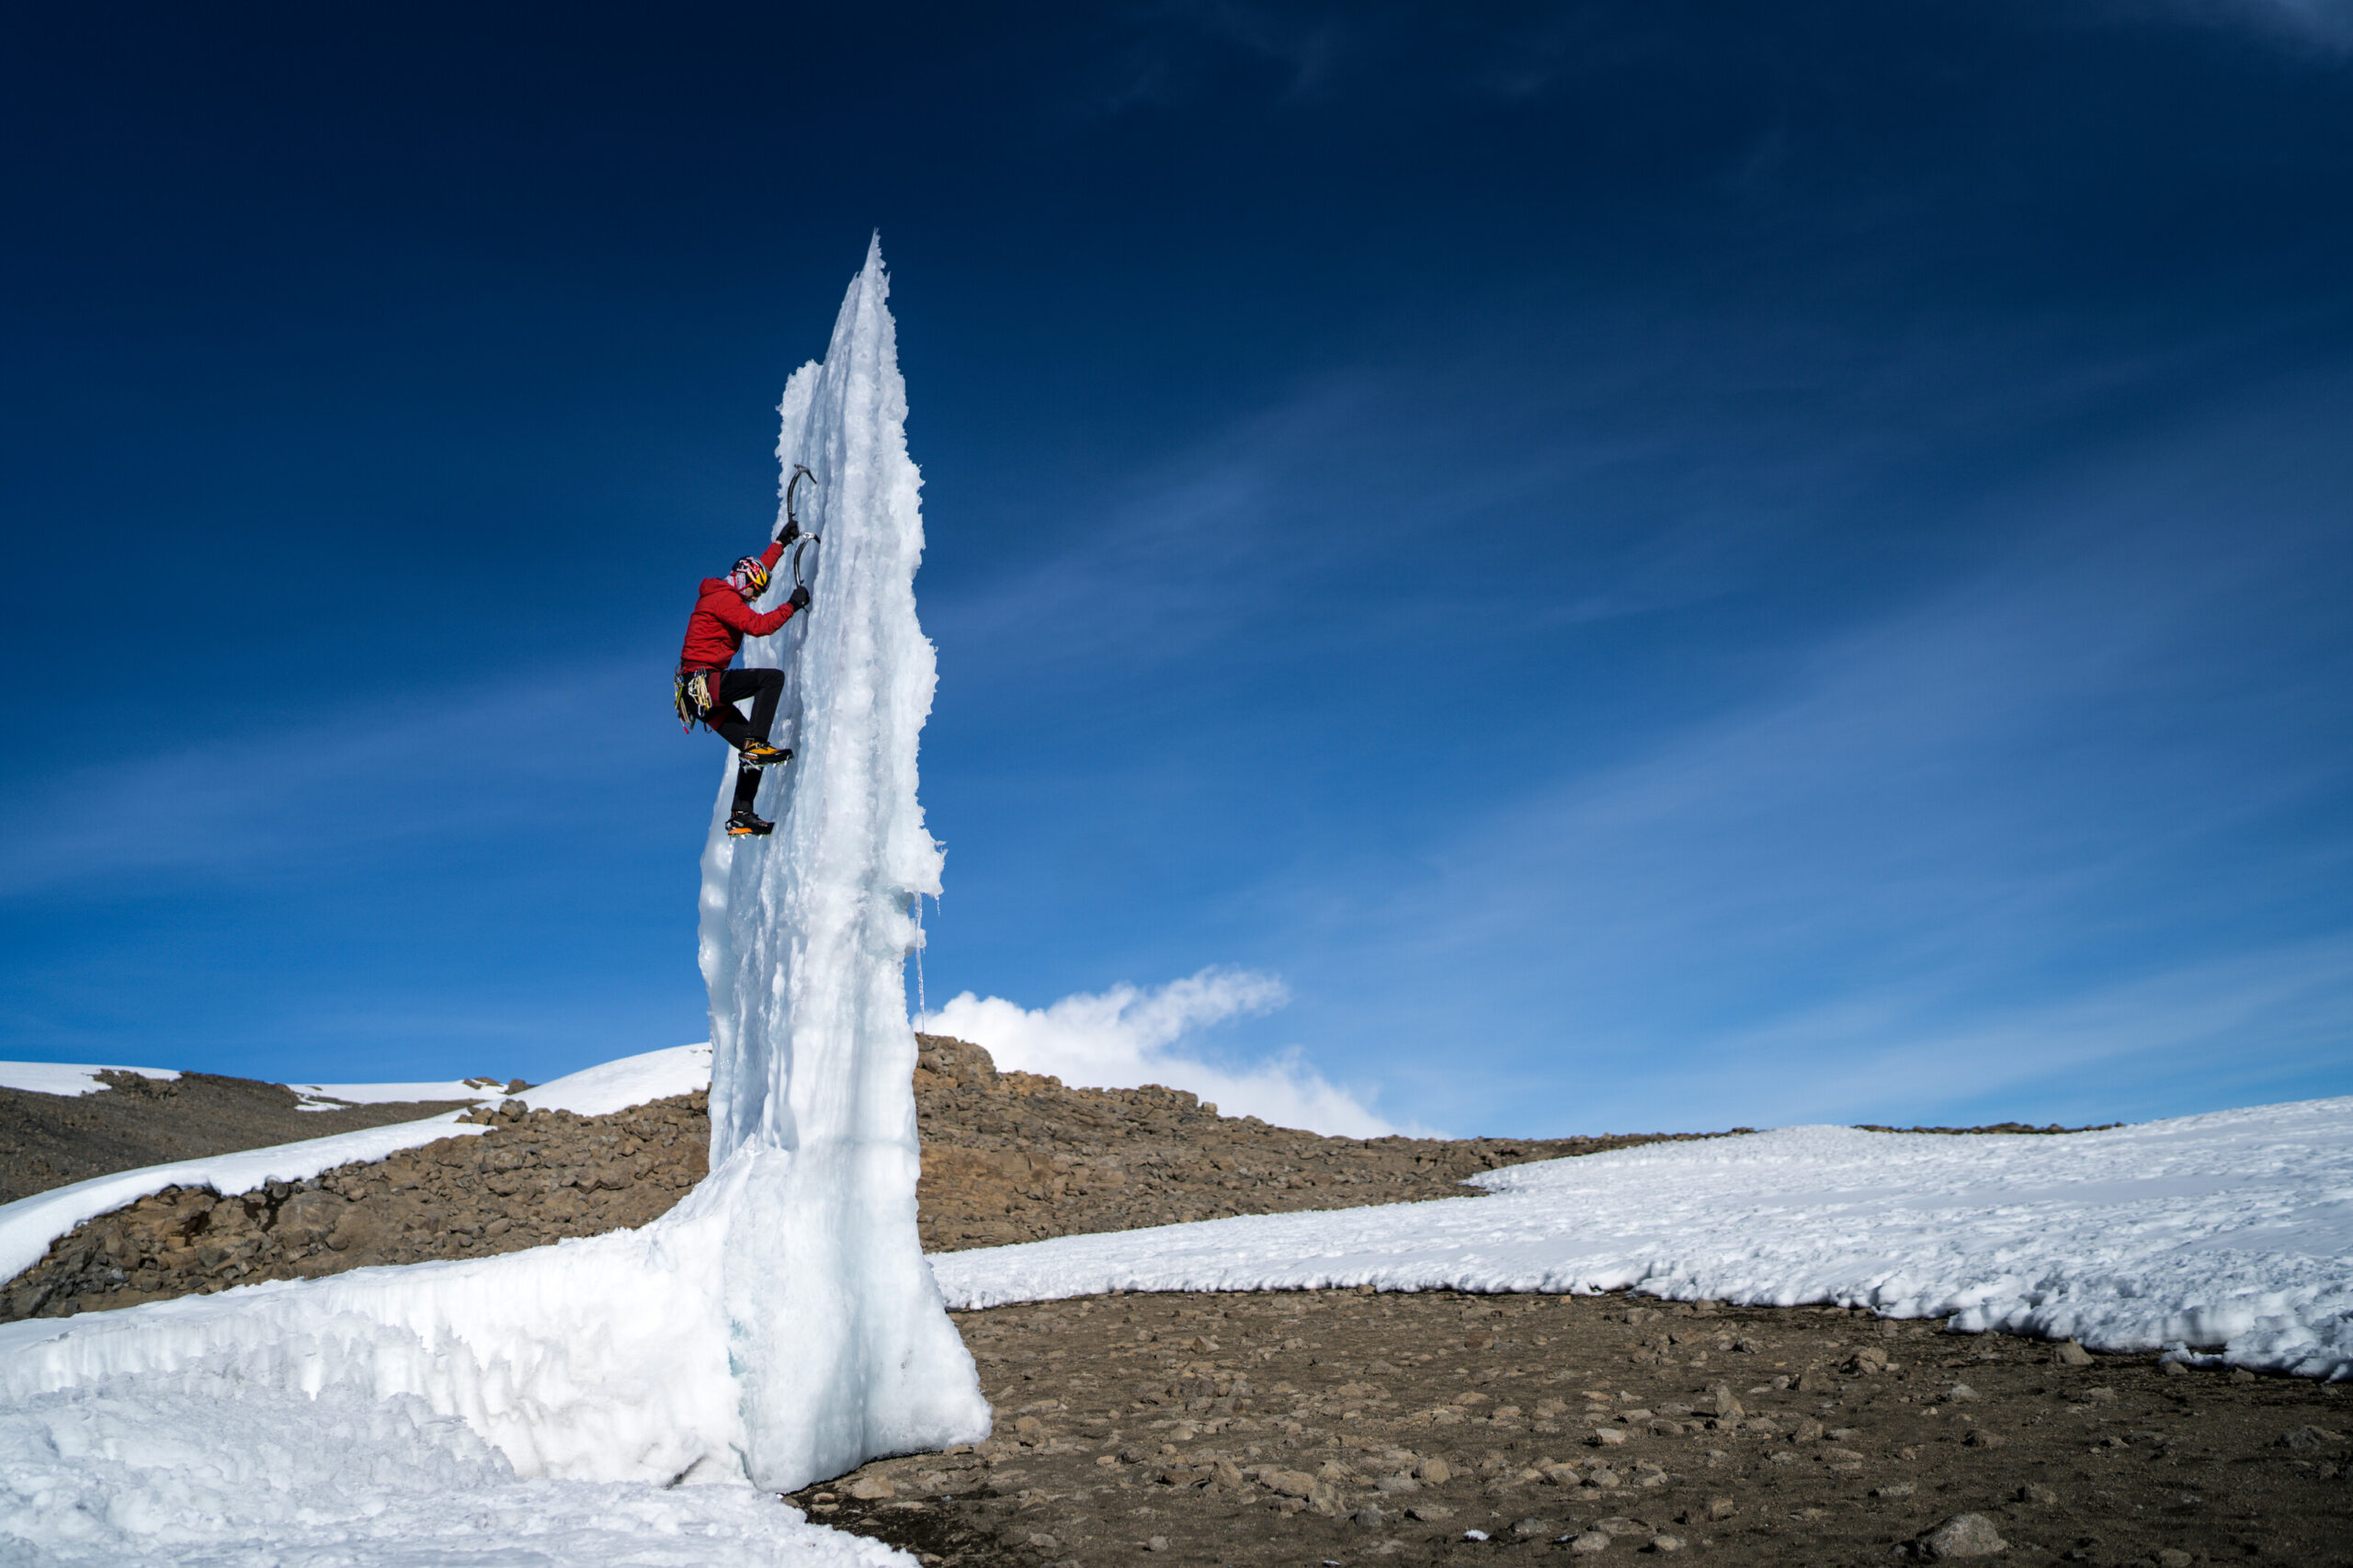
{"x": 780, "y": 1323}
{"x": 67, "y": 1077}
{"x": 593, "y": 1091}
{"x": 29, "y": 1224}
{"x": 2233, "y": 1230}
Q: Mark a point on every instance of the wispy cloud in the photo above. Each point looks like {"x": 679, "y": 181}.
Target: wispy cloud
{"x": 2326, "y": 25}
{"x": 422, "y": 769}
{"x": 2068, "y": 834}
{"x": 1125, "y": 1037}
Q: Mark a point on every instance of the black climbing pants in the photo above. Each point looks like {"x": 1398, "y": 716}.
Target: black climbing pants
{"x": 763, "y": 686}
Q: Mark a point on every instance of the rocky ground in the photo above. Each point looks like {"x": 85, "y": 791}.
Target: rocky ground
{"x": 1304, "y": 1428}
{"x": 531, "y": 1179}
{"x": 1016, "y": 1157}
{"x": 50, "y": 1141}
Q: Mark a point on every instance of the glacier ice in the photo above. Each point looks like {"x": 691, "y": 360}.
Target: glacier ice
{"x": 839, "y": 1334}
{"x": 780, "y": 1325}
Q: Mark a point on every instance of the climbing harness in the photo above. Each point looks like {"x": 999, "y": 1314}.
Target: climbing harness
{"x": 794, "y": 535}
{"x": 693, "y": 697}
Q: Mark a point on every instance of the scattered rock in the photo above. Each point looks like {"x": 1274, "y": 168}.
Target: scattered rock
{"x": 2070, "y": 1354}
{"x": 1590, "y": 1542}
{"x": 1964, "y": 1535}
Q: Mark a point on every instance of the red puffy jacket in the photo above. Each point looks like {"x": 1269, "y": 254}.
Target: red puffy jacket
{"x": 716, "y": 630}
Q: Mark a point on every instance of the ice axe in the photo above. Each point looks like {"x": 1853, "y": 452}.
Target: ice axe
{"x": 792, "y": 534}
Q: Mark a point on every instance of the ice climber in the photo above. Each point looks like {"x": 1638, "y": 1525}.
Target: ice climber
{"x": 707, "y": 690}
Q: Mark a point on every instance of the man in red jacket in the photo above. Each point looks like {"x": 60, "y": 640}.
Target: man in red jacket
{"x": 707, "y": 690}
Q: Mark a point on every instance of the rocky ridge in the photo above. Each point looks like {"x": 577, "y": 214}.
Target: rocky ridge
{"x": 1007, "y": 1156}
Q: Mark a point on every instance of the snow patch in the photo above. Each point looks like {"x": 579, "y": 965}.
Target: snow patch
{"x": 617, "y": 1085}
{"x": 29, "y": 1224}
{"x": 2232, "y": 1230}
{"x": 339, "y": 1096}
{"x": 67, "y": 1077}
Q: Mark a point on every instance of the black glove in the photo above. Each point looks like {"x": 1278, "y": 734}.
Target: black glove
{"x": 800, "y": 599}
{"x": 788, "y": 533}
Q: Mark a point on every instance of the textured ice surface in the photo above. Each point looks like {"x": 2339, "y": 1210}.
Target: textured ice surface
{"x": 29, "y": 1224}
{"x": 67, "y": 1077}
{"x": 839, "y": 1334}
{"x": 2233, "y": 1230}
{"x": 778, "y": 1325}
{"x": 204, "y": 1469}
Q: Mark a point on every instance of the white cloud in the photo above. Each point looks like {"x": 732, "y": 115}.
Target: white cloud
{"x": 1126, "y": 1037}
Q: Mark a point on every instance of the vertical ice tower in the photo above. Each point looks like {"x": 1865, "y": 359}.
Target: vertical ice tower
{"x": 837, "y": 1334}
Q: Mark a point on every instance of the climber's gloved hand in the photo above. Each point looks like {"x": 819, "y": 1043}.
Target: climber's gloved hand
{"x": 800, "y": 599}
{"x": 786, "y": 534}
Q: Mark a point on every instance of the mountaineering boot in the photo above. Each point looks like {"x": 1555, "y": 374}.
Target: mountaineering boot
{"x": 742, "y": 823}
{"x": 759, "y": 754}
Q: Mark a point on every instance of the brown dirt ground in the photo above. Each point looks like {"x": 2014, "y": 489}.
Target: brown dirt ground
{"x": 1304, "y": 1428}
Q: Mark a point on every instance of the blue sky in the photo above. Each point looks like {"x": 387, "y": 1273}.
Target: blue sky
{"x": 1655, "y": 566}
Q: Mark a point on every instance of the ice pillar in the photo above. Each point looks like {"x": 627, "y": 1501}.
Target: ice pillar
{"x": 837, "y": 1336}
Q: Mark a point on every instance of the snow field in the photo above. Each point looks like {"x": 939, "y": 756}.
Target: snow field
{"x": 201, "y": 1468}
{"x": 2232, "y": 1231}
